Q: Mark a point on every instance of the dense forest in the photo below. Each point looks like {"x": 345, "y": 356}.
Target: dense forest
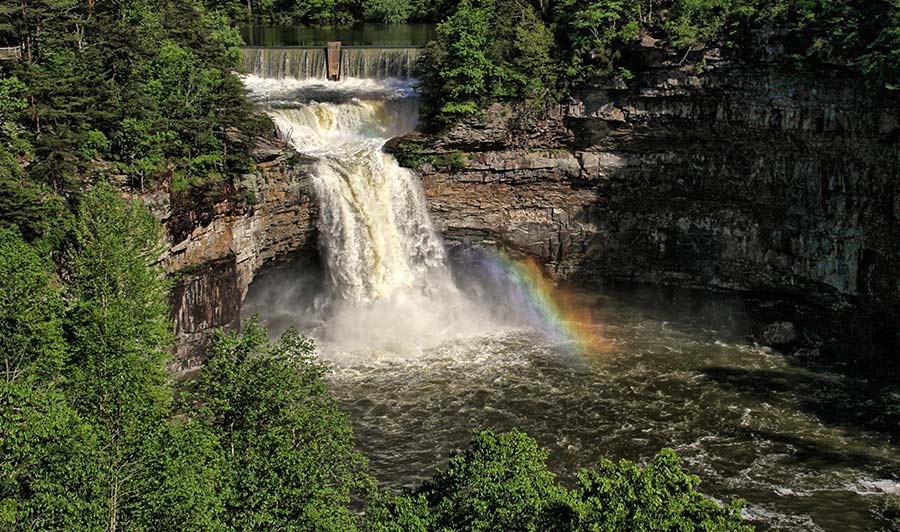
{"x": 95, "y": 435}
{"x": 515, "y": 50}
{"x": 334, "y": 12}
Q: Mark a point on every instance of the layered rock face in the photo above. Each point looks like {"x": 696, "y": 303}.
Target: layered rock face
{"x": 219, "y": 237}
{"x": 781, "y": 185}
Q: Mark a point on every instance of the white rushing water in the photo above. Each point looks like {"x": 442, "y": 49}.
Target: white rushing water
{"x": 300, "y": 63}
{"x": 387, "y": 282}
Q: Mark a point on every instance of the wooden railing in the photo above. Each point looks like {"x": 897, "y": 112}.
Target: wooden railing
{"x": 10, "y": 53}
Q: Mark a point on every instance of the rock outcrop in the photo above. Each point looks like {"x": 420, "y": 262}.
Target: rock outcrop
{"x": 220, "y": 236}
{"x": 781, "y": 185}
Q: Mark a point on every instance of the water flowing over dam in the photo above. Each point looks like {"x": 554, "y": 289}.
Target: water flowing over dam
{"x": 426, "y": 345}
{"x": 364, "y": 62}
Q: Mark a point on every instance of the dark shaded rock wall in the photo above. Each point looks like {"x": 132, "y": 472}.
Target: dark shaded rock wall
{"x": 756, "y": 179}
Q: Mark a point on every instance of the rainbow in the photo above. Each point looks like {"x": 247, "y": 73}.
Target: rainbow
{"x": 546, "y": 306}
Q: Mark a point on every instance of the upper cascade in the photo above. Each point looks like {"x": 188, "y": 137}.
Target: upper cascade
{"x": 310, "y": 62}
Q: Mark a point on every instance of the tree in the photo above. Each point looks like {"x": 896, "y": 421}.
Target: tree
{"x": 48, "y": 461}
{"x": 593, "y": 34}
{"x": 119, "y": 333}
{"x": 502, "y": 483}
{"x": 660, "y": 496}
{"x": 390, "y": 11}
{"x": 46, "y": 450}
{"x": 522, "y": 50}
{"x": 31, "y": 339}
{"x": 456, "y": 70}
{"x": 287, "y": 445}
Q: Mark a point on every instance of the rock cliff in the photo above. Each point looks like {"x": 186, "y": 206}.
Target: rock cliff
{"x": 784, "y": 186}
{"x": 220, "y": 236}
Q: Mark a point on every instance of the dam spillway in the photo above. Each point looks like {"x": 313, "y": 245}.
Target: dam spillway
{"x": 309, "y": 62}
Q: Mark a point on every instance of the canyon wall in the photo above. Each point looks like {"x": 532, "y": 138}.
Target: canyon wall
{"x": 220, "y": 235}
{"x": 782, "y": 185}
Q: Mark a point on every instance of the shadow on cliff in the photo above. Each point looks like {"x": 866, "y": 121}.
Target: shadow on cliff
{"x": 841, "y": 401}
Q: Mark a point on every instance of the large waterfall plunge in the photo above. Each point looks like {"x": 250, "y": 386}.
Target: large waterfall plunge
{"x": 387, "y": 284}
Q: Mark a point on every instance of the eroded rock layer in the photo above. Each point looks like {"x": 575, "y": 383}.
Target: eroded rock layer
{"x": 220, "y": 236}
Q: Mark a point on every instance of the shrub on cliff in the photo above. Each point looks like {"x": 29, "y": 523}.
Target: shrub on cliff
{"x": 486, "y": 50}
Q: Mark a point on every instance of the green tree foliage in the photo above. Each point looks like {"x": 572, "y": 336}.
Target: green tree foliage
{"x": 31, "y": 336}
{"x": 47, "y": 453}
{"x": 288, "y": 448}
{"x": 593, "y": 34}
{"x": 660, "y": 496}
{"x": 333, "y": 12}
{"x": 118, "y": 332}
{"x": 486, "y": 51}
{"x": 390, "y": 11}
{"x": 456, "y": 70}
{"x": 48, "y": 460}
{"x": 94, "y": 76}
{"x": 502, "y": 483}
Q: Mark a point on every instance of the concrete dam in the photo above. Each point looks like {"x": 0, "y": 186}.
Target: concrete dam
{"x": 323, "y": 62}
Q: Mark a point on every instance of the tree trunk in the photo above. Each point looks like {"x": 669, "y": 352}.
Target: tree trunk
{"x": 114, "y": 501}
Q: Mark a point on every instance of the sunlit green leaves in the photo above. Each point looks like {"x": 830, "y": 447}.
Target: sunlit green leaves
{"x": 502, "y": 483}
{"x": 288, "y": 448}
{"x": 31, "y": 339}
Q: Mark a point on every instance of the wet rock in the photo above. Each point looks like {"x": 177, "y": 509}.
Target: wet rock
{"x": 780, "y": 334}
{"x": 808, "y": 353}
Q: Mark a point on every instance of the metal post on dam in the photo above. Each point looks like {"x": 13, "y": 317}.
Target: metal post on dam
{"x": 333, "y": 59}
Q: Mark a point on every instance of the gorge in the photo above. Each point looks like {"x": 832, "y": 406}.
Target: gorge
{"x": 480, "y": 266}
{"x": 670, "y": 182}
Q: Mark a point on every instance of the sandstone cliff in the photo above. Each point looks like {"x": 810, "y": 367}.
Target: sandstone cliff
{"x": 782, "y": 185}
{"x": 221, "y": 235}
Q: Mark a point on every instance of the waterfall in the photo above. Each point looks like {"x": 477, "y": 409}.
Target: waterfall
{"x": 374, "y": 230}
{"x": 387, "y": 286}
{"x": 280, "y": 63}
{"x": 309, "y": 62}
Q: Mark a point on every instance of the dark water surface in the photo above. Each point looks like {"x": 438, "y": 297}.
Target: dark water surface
{"x": 362, "y": 34}
{"x": 796, "y": 443}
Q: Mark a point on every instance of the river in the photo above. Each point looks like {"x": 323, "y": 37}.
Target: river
{"x": 427, "y": 345}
